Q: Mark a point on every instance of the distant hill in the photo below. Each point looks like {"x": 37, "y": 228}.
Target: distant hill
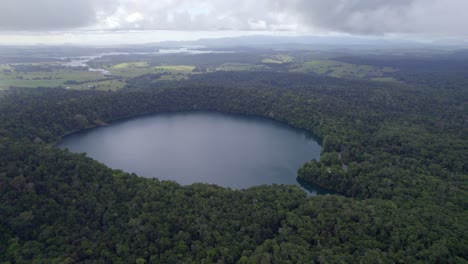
{"x": 291, "y": 42}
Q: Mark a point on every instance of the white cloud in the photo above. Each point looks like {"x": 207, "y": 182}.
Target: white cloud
{"x": 134, "y": 18}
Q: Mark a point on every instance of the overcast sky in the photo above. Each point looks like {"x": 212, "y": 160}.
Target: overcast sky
{"x": 94, "y": 21}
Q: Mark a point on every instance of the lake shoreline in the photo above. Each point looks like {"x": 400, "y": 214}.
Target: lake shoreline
{"x": 261, "y": 152}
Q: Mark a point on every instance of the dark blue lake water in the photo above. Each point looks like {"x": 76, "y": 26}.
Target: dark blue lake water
{"x": 187, "y": 147}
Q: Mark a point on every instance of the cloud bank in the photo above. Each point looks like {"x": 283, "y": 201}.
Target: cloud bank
{"x": 368, "y": 17}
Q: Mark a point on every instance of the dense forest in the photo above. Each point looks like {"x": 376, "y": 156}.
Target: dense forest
{"x": 394, "y": 153}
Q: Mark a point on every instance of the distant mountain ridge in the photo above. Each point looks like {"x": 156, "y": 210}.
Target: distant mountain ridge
{"x": 290, "y": 41}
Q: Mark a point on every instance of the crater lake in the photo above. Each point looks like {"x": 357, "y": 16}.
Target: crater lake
{"x": 229, "y": 150}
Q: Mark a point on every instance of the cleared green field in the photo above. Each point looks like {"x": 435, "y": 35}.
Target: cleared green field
{"x": 54, "y": 76}
{"x": 46, "y": 79}
{"x": 271, "y": 61}
{"x": 130, "y": 69}
{"x": 386, "y": 79}
{"x": 5, "y": 67}
{"x": 82, "y": 80}
{"x": 241, "y": 67}
{"x": 175, "y": 68}
{"x": 342, "y": 70}
{"x": 278, "y": 59}
{"x": 134, "y": 69}
{"x": 131, "y": 65}
{"x": 130, "y": 72}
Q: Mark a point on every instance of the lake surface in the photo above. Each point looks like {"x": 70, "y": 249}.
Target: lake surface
{"x": 187, "y": 147}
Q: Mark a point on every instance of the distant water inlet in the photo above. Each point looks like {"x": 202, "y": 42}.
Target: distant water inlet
{"x": 228, "y": 150}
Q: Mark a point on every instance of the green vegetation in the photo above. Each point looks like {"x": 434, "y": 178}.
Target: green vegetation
{"x": 54, "y": 75}
{"x": 342, "y": 70}
{"x": 271, "y": 61}
{"x": 131, "y": 65}
{"x": 241, "y": 67}
{"x": 130, "y": 70}
{"x": 396, "y": 154}
{"x": 175, "y": 68}
{"x": 5, "y": 67}
{"x": 135, "y": 69}
{"x": 46, "y": 79}
{"x": 104, "y": 85}
{"x": 385, "y": 79}
{"x": 278, "y": 59}
{"x": 394, "y": 137}
{"x": 29, "y": 75}
{"x": 43, "y": 72}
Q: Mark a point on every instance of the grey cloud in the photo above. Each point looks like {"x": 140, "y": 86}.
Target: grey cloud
{"x": 352, "y": 16}
{"x": 347, "y": 16}
{"x": 33, "y": 15}
{"x": 380, "y": 16}
{"x": 374, "y": 17}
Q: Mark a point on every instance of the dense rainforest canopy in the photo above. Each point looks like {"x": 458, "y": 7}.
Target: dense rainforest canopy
{"x": 395, "y": 154}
